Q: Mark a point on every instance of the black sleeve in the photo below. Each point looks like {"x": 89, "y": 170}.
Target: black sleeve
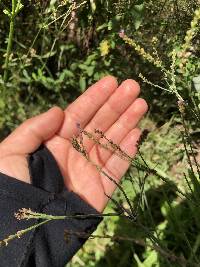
{"x": 45, "y": 246}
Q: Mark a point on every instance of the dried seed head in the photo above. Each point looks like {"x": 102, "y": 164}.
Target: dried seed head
{"x": 181, "y": 106}
{"x": 24, "y": 214}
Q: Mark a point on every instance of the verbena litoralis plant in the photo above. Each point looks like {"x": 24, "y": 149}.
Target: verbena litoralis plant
{"x": 16, "y": 7}
{"x": 24, "y": 50}
{"x": 79, "y": 146}
{"x": 125, "y": 211}
{"x": 11, "y": 13}
{"x": 188, "y": 100}
{"x": 180, "y": 65}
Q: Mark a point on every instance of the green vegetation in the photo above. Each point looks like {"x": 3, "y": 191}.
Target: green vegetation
{"x": 51, "y": 51}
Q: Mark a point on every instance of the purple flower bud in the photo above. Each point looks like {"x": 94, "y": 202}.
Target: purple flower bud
{"x": 78, "y": 125}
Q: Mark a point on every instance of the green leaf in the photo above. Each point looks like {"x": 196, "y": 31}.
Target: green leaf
{"x": 137, "y": 13}
{"x": 82, "y": 66}
{"x": 82, "y": 83}
{"x": 110, "y": 25}
{"x": 101, "y": 27}
{"x": 34, "y": 76}
{"x": 2, "y": 104}
{"x": 90, "y": 70}
{"x": 196, "y": 82}
{"x": 26, "y": 75}
{"x": 138, "y": 261}
{"x": 90, "y": 58}
{"x": 74, "y": 66}
{"x": 151, "y": 260}
{"x": 19, "y": 7}
{"x": 7, "y": 12}
{"x": 52, "y": 2}
{"x": 139, "y": 8}
{"x": 48, "y": 54}
{"x": 137, "y": 24}
{"x": 93, "y": 5}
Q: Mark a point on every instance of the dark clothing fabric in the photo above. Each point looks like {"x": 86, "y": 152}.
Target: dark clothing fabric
{"x": 46, "y": 245}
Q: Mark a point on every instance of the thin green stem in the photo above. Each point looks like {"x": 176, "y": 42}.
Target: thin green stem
{"x": 27, "y": 214}
{"x": 9, "y": 48}
{"x": 10, "y": 40}
{"x": 16, "y": 7}
{"x": 21, "y": 232}
{"x": 13, "y": 6}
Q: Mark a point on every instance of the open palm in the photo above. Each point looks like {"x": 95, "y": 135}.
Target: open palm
{"x": 114, "y": 110}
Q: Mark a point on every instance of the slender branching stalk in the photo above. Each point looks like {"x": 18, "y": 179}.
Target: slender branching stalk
{"x": 78, "y": 145}
{"x": 20, "y": 233}
{"x": 179, "y": 62}
{"x": 16, "y": 7}
{"x": 190, "y": 34}
{"x": 114, "y": 148}
{"x": 28, "y": 214}
{"x": 163, "y": 251}
{"x": 73, "y": 7}
{"x": 169, "y": 74}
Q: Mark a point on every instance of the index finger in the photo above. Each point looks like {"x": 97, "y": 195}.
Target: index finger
{"x": 85, "y": 106}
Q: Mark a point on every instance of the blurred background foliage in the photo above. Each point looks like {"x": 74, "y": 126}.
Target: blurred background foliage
{"x": 62, "y": 47}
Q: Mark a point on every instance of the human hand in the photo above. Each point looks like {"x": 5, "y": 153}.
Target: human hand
{"x": 114, "y": 110}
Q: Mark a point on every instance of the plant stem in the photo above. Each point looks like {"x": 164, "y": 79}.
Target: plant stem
{"x": 21, "y": 232}
{"x": 10, "y": 40}
{"x": 9, "y": 48}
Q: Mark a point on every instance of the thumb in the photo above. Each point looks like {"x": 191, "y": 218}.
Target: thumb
{"x": 32, "y": 133}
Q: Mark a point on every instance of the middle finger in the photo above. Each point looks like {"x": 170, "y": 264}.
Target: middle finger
{"x": 109, "y": 113}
